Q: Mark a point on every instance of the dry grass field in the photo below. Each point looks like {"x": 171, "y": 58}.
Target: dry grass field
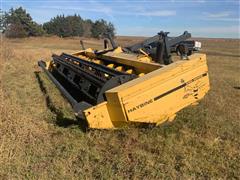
{"x": 41, "y": 139}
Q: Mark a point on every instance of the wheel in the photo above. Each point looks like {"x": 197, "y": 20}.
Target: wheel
{"x": 189, "y": 52}
{"x": 182, "y": 50}
{"x": 177, "y": 51}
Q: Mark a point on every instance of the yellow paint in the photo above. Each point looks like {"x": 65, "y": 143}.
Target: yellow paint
{"x": 155, "y": 97}
{"x": 98, "y": 117}
{"x": 48, "y": 64}
{"x": 141, "y": 64}
{"x": 110, "y": 65}
{"x": 142, "y": 51}
{"x": 141, "y": 74}
{"x": 118, "y": 50}
{"x": 119, "y": 68}
{"x": 129, "y": 71}
{"x": 97, "y": 61}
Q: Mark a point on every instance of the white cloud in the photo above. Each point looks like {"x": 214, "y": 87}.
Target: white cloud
{"x": 110, "y": 12}
{"x": 98, "y": 7}
{"x": 226, "y": 19}
{"x": 187, "y": 1}
{"x": 201, "y": 1}
{"x": 217, "y": 15}
{"x": 220, "y": 16}
{"x": 92, "y": 9}
{"x": 157, "y": 13}
{"x": 145, "y": 13}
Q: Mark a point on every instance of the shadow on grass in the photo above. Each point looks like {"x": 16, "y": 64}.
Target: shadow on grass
{"x": 60, "y": 119}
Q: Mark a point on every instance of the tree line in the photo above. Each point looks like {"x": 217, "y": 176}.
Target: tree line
{"x": 17, "y": 23}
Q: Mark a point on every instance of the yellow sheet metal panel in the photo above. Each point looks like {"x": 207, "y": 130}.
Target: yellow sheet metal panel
{"x": 160, "y": 75}
{"x": 158, "y": 95}
{"x": 162, "y": 101}
{"x": 105, "y": 116}
{"x": 141, "y": 64}
{"x": 131, "y": 60}
{"x": 98, "y": 117}
{"x": 115, "y": 107}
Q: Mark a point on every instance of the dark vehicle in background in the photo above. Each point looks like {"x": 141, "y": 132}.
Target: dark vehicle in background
{"x": 189, "y": 45}
{"x": 182, "y": 45}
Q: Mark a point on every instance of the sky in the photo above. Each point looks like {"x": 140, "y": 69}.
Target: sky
{"x": 202, "y": 18}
